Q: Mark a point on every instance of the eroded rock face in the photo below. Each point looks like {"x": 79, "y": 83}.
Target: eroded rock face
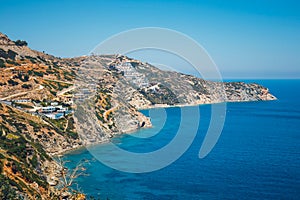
{"x": 10, "y": 47}
{"x": 106, "y": 109}
{"x": 4, "y": 40}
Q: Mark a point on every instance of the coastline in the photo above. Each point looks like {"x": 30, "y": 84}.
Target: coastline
{"x": 199, "y": 104}
{"x": 84, "y": 146}
{"x": 249, "y": 139}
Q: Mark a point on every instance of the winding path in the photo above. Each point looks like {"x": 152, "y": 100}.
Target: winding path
{"x": 21, "y": 93}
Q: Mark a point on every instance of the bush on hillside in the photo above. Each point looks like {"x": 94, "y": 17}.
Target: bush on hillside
{"x": 21, "y": 43}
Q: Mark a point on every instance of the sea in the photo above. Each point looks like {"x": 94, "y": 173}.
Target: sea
{"x": 257, "y": 155}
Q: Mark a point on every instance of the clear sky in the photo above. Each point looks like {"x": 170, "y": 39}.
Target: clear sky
{"x": 246, "y": 38}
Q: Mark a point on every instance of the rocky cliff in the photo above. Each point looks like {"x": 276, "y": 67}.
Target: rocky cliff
{"x": 123, "y": 85}
{"x": 108, "y": 89}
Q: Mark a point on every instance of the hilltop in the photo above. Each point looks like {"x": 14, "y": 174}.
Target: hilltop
{"x": 39, "y": 93}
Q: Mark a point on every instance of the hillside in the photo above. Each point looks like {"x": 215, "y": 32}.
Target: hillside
{"x": 27, "y": 167}
{"x": 39, "y": 94}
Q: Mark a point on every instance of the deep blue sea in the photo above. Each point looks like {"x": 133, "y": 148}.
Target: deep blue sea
{"x": 256, "y": 157}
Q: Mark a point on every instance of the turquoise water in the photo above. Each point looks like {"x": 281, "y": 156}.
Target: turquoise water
{"x": 256, "y": 157}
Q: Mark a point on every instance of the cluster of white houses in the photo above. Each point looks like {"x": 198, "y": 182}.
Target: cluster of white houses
{"x": 55, "y": 110}
{"x": 58, "y": 107}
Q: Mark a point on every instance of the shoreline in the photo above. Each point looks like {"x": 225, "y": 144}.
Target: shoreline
{"x": 199, "y": 104}
{"x": 80, "y": 149}
{"x": 84, "y": 146}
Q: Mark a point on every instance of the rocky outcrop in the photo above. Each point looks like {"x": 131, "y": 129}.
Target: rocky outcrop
{"x": 10, "y": 47}
{"x": 143, "y": 86}
{"x": 115, "y": 87}
{"x": 4, "y": 40}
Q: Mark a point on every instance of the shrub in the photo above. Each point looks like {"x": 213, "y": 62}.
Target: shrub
{"x": 12, "y": 62}
{"x": 26, "y": 78}
{"x": 21, "y": 43}
{"x": 1, "y": 167}
{"x": 73, "y": 135}
{"x": 6, "y": 192}
{"x": 42, "y": 59}
{"x": 11, "y": 54}
{"x": 34, "y": 161}
{"x": 12, "y": 82}
{"x": 40, "y": 74}
{"x": 2, "y": 65}
{"x": 3, "y": 53}
{"x": 18, "y": 149}
{"x": 26, "y": 86}
{"x": 53, "y": 92}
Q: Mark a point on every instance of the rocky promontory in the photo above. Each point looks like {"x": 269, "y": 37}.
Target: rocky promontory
{"x": 45, "y": 101}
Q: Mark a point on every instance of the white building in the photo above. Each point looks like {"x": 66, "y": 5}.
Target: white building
{"x": 22, "y": 100}
{"x": 48, "y": 109}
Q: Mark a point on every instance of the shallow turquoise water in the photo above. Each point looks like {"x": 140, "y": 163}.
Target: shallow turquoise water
{"x": 256, "y": 157}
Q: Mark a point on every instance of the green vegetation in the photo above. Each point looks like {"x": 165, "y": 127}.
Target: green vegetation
{"x": 23, "y": 157}
{"x": 8, "y": 54}
{"x": 71, "y": 123}
{"x": 6, "y": 190}
{"x": 69, "y": 75}
{"x": 59, "y": 123}
{"x": 36, "y": 73}
{"x": 42, "y": 59}
{"x": 50, "y": 71}
{"x": 11, "y": 54}
{"x": 22, "y": 77}
{"x": 164, "y": 96}
{"x": 26, "y": 86}
{"x": 108, "y": 103}
{"x": 1, "y": 162}
{"x": 39, "y": 148}
{"x": 12, "y": 82}
{"x": 53, "y": 92}
{"x": 73, "y": 135}
{"x": 32, "y": 59}
{"x": 2, "y": 65}
{"x": 64, "y": 126}
{"x": 1, "y": 167}
{"x": 56, "y": 85}
{"x": 198, "y": 86}
{"x": 100, "y": 117}
{"x": 134, "y": 64}
{"x": 34, "y": 161}
{"x": 15, "y": 147}
{"x": 12, "y": 62}
{"x": 36, "y": 127}
{"x": 21, "y": 43}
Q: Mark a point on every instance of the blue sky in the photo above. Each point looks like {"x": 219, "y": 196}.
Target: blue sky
{"x": 246, "y": 39}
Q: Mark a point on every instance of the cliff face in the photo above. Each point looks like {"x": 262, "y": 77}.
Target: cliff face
{"x": 108, "y": 89}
